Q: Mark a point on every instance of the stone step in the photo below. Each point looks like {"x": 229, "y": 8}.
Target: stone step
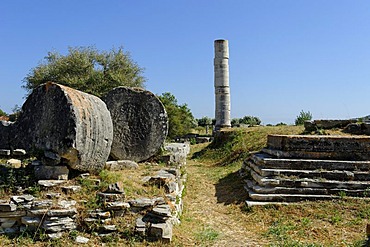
{"x": 309, "y": 183}
{"x": 267, "y": 161}
{"x": 286, "y": 197}
{"x": 320, "y": 147}
{"x": 249, "y": 203}
{"x": 319, "y": 173}
{"x": 251, "y": 185}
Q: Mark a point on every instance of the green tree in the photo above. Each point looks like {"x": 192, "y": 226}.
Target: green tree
{"x": 235, "y": 122}
{"x": 204, "y": 121}
{"x": 302, "y": 117}
{"x": 250, "y": 120}
{"x": 180, "y": 118}
{"x": 88, "y": 70}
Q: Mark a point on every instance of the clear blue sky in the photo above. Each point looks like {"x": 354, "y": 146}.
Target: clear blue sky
{"x": 285, "y": 55}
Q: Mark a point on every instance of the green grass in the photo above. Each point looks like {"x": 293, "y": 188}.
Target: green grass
{"x": 207, "y": 234}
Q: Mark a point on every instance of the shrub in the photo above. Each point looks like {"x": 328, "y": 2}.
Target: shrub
{"x": 302, "y": 117}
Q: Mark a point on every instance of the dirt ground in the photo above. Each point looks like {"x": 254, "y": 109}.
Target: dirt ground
{"x": 213, "y": 209}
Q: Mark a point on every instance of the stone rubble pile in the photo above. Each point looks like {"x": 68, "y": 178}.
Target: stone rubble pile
{"x": 162, "y": 214}
{"x": 294, "y": 168}
{"x": 56, "y": 215}
{"x": 25, "y": 212}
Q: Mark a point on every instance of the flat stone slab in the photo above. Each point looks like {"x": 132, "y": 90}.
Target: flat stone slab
{"x": 31, "y": 221}
{"x": 340, "y": 175}
{"x": 117, "y": 205}
{"x": 309, "y": 183}
{"x": 288, "y": 197}
{"x": 59, "y": 224}
{"x": 142, "y": 202}
{"x": 140, "y": 123}
{"x": 51, "y": 183}
{"x": 22, "y": 198}
{"x": 319, "y": 147}
{"x": 62, "y": 212}
{"x": 19, "y": 152}
{"x": 121, "y": 165}
{"x": 269, "y": 161}
{"x": 249, "y": 203}
{"x": 250, "y": 185}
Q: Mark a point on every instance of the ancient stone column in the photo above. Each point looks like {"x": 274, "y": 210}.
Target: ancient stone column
{"x": 222, "y": 89}
{"x": 140, "y": 123}
{"x": 65, "y": 126}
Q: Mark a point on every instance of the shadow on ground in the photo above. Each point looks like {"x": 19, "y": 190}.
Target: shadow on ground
{"x": 230, "y": 190}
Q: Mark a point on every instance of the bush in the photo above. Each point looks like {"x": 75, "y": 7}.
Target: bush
{"x": 250, "y": 120}
{"x": 302, "y": 117}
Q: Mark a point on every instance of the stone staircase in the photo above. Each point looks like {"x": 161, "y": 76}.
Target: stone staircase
{"x": 296, "y": 167}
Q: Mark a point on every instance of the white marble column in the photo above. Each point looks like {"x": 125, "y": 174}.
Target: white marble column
{"x": 222, "y": 89}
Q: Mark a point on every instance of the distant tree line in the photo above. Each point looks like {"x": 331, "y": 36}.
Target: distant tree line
{"x": 246, "y": 120}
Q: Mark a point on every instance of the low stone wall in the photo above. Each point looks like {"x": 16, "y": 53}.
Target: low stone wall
{"x": 327, "y": 124}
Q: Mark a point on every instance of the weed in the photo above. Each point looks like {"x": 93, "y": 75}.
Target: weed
{"x": 207, "y": 234}
{"x": 367, "y": 192}
{"x": 305, "y": 221}
{"x": 342, "y": 194}
{"x": 280, "y": 230}
{"x": 335, "y": 219}
{"x": 363, "y": 213}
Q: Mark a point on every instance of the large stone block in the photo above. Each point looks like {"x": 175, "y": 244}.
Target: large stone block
{"x": 73, "y": 125}
{"x": 140, "y": 123}
{"x": 319, "y": 147}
